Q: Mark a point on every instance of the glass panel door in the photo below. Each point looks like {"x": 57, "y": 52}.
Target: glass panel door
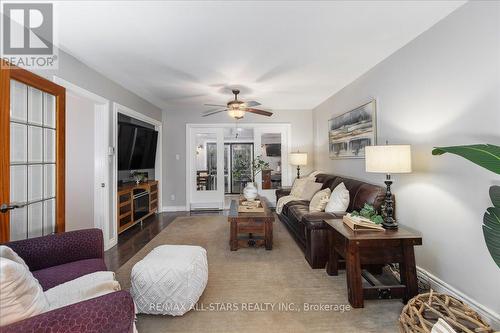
{"x": 207, "y": 168}
{"x": 32, "y": 161}
{"x": 227, "y": 168}
{"x": 271, "y": 145}
{"x": 241, "y": 166}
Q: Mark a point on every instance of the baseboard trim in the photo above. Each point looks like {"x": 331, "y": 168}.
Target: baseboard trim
{"x": 439, "y": 285}
{"x": 174, "y": 209}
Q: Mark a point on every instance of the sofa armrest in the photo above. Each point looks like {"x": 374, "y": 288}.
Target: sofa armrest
{"x": 283, "y": 191}
{"x": 315, "y": 220}
{"x": 58, "y": 249}
{"x": 110, "y": 313}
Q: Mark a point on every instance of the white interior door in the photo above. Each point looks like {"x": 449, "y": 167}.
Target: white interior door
{"x": 271, "y": 144}
{"x": 206, "y": 170}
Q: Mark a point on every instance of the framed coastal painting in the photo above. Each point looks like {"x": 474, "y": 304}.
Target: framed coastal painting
{"x": 351, "y": 132}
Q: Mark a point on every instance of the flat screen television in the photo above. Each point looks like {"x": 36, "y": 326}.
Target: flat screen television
{"x": 273, "y": 149}
{"x": 136, "y": 147}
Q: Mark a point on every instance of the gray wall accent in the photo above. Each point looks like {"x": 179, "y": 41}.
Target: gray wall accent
{"x": 78, "y": 73}
{"x": 441, "y": 89}
{"x": 174, "y": 142}
{"x": 79, "y": 163}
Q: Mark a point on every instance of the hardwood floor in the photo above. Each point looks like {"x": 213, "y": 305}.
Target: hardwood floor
{"x": 132, "y": 240}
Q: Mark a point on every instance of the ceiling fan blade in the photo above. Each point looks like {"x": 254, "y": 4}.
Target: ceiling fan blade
{"x": 216, "y": 105}
{"x": 261, "y": 112}
{"x": 211, "y": 112}
{"x": 251, "y": 104}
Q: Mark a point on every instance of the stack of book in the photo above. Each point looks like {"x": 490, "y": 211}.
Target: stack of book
{"x": 360, "y": 223}
{"x": 250, "y": 207}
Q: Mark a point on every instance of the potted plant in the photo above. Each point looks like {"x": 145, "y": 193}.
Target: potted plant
{"x": 241, "y": 166}
{"x": 488, "y": 157}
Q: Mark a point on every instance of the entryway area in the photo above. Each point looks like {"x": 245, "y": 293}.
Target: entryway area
{"x": 220, "y": 160}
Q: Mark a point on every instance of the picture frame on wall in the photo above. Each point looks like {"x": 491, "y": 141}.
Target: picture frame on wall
{"x": 350, "y": 132}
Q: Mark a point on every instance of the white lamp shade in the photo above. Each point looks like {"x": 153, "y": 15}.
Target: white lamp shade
{"x": 297, "y": 158}
{"x": 388, "y": 159}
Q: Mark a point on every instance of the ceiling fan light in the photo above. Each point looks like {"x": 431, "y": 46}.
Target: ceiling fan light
{"x": 236, "y": 113}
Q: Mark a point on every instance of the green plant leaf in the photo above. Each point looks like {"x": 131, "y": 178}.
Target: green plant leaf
{"x": 377, "y": 219}
{"x": 491, "y": 226}
{"x": 495, "y": 195}
{"x": 485, "y": 155}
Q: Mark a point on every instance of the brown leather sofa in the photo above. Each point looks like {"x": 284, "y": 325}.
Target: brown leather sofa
{"x": 309, "y": 229}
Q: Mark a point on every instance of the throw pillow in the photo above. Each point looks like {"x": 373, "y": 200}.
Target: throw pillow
{"x": 82, "y": 288}
{"x": 312, "y": 175}
{"x": 339, "y": 200}
{"x": 7, "y": 252}
{"x": 298, "y": 187}
{"x": 22, "y": 295}
{"x": 319, "y": 201}
{"x": 310, "y": 190}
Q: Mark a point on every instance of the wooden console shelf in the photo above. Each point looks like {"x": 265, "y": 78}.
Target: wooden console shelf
{"x": 125, "y": 205}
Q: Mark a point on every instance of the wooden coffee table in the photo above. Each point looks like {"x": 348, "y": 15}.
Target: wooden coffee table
{"x": 251, "y": 229}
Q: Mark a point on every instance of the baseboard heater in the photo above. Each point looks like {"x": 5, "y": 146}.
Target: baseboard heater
{"x": 206, "y": 206}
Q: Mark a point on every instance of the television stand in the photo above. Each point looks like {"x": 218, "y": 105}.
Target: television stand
{"x": 136, "y": 202}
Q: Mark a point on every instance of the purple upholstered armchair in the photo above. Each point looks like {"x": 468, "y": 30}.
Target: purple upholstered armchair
{"x": 58, "y": 258}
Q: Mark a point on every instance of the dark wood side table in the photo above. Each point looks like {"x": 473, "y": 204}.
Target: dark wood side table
{"x": 251, "y": 229}
{"x": 360, "y": 248}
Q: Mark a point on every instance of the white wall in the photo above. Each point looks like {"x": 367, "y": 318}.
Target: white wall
{"x": 174, "y": 142}
{"x": 441, "y": 89}
{"x": 79, "y": 163}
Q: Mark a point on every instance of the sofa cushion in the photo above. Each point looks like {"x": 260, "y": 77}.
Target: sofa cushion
{"x": 52, "y": 276}
{"x": 286, "y": 207}
{"x": 297, "y": 211}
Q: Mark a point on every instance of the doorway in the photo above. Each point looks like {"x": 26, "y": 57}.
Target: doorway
{"x": 226, "y": 151}
{"x": 237, "y": 159}
{"x": 87, "y": 160}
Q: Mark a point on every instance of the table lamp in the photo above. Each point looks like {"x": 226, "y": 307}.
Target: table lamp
{"x": 298, "y": 159}
{"x": 388, "y": 159}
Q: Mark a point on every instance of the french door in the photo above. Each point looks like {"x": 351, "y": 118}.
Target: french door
{"x": 206, "y": 170}
{"x": 239, "y": 156}
{"x": 32, "y": 137}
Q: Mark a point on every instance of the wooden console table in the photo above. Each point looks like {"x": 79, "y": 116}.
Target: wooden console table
{"x": 360, "y": 248}
{"x": 126, "y": 210}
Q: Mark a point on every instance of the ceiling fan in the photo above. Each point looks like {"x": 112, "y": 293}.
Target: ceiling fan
{"x": 237, "y": 108}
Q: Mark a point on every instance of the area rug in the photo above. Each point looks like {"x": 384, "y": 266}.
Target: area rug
{"x": 254, "y": 290}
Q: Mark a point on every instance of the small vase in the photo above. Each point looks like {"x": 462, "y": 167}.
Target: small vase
{"x": 250, "y": 192}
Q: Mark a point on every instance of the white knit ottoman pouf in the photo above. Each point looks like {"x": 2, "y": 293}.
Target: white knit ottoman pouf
{"x": 170, "y": 279}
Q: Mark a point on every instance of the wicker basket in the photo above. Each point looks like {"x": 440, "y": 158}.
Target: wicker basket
{"x": 424, "y": 310}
